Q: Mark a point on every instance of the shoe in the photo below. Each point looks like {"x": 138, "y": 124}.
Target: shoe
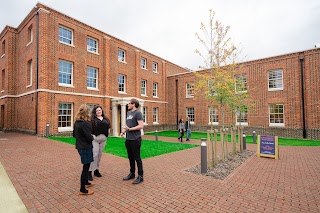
{"x": 97, "y": 173}
{"x": 89, "y": 185}
{"x": 90, "y": 176}
{"x": 138, "y": 180}
{"x": 90, "y": 192}
{"x": 188, "y": 140}
{"x": 129, "y": 177}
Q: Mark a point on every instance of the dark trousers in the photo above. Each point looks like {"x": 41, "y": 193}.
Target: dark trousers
{"x": 181, "y": 134}
{"x": 133, "y": 150}
{"x": 84, "y": 177}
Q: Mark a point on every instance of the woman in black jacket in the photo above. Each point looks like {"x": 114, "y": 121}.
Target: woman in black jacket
{"x": 82, "y": 133}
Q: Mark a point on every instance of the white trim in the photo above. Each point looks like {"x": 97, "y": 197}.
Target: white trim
{"x": 65, "y": 129}
{"x": 213, "y": 123}
{"x": 93, "y": 88}
{"x": 275, "y": 89}
{"x": 72, "y": 93}
{"x": 242, "y": 124}
{"x": 30, "y": 42}
{"x": 3, "y": 55}
{"x": 276, "y": 124}
{"x": 71, "y": 45}
{"x": 66, "y": 85}
{"x": 122, "y": 92}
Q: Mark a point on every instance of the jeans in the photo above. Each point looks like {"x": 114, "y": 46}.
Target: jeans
{"x": 133, "y": 150}
{"x": 188, "y": 133}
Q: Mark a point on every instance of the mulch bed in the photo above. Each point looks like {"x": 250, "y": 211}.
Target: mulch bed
{"x": 223, "y": 169}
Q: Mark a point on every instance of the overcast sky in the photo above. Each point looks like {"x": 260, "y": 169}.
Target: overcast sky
{"x": 167, "y": 28}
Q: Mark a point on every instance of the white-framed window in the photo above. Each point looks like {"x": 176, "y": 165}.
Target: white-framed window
{"x": 65, "y": 35}
{"x": 144, "y": 114}
{"x": 65, "y": 73}
{"x": 241, "y": 83}
{"x": 155, "y": 89}
{"x": 213, "y": 116}
{"x": 121, "y": 83}
{"x": 92, "y": 45}
{"x": 65, "y": 117}
{"x": 121, "y": 55}
{"x": 242, "y": 117}
{"x": 155, "y": 67}
{"x": 276, "y": 115}
{"x": 29, "y": 73}
{"x": 30, "y": 35}
{"x": 275, "y": 80}
{"x": 155, "y": 115}
{"x": 92, "y": 78}
{"x": 190, "y": 113}
{"x": 189, "y": 90}
{"x": 143, "y": 63}
{"x": 143, "y": 87}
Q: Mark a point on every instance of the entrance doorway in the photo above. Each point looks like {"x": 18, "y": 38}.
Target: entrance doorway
{"x": 119, "y": 118}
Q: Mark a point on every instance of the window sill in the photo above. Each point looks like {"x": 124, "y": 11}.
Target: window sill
{"x": 144, "y": 95}
{"x": 145, "y": 124}
{"x": 66, "y": 85}
{"x": 124, "y": 62}
{"x": 213, "y": 123}
{"x": 65, "y": 129}
{"x": 29, "y": 86}
{"x": 155, "y": 96}
{"x": 71, "y": 45}
{"x": 242, "y": 124}
{"x": 2, "y": 91}
{"x": 274, "y": 89}
{"x": 3, "y": 55}
{"x": 189, "y": 96}
{"x": 29, "y": 43}
{"x": 144, "y": 68}
{"x": 155, "y": 123}
{"x": 276, "y": 125}
{"x": 119, "y": 92}
{"x": 93, "y": 52}
{"x": 92, "y": 88}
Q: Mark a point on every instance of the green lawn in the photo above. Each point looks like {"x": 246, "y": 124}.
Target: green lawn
{"x": 249, "y": 138}
{"x": 116, "y": 146}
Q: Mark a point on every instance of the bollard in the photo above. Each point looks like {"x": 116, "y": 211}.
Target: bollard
{"x": 203, "y": 155}
{"x": 244, "y": 141}
{"x": 47, "y": 130}
{"x": 156, "y": 135}
{"x": 254, "y": 137}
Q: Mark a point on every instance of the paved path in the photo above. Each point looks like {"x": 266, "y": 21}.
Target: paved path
{"x": 46, "y": 175}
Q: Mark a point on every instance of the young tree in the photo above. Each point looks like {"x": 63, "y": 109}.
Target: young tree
{"x": 218, "y": 82}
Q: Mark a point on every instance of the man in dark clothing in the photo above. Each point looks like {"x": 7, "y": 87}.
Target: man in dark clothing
{"x": 132, "y": 129}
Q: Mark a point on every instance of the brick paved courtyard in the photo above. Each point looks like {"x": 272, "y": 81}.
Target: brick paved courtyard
{"x": 46, "y": 176}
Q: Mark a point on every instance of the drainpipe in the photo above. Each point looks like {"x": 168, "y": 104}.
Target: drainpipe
{"x": 177, "y": 99}
{"x": 304, "y": 131}
{"x": 37, "y": 67}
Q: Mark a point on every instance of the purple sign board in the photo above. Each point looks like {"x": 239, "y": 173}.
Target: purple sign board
{"x": 267, "y": 145}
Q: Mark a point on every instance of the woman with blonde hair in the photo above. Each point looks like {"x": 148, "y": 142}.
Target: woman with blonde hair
{"x": 82, "y": 133}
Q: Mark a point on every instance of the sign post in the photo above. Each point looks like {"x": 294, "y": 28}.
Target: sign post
{"x": 268, "y": 146}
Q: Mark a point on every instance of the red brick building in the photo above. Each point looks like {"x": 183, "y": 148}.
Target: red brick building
{"x": 51, "y": 64}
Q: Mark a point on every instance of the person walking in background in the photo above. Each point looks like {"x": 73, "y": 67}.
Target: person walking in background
{"x": 132, "y": 130}
{"x": 100, "y": 131}
{"x": 181, "y": 129}
{"x": 82, "y": 133}
{"x": 188, "y": 129}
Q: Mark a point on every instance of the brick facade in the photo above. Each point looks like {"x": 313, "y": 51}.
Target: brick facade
{"x": 27, "y": 105}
